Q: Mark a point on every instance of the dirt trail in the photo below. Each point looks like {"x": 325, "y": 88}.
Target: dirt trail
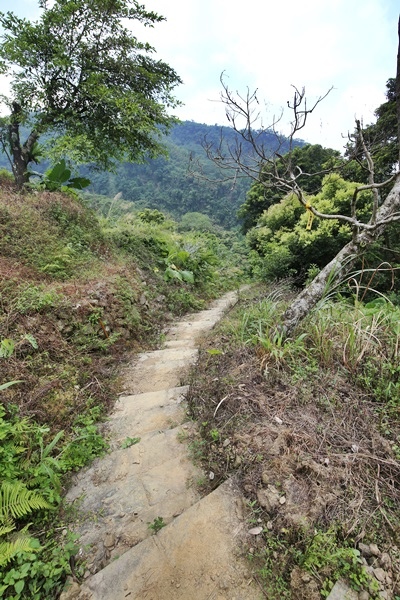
{"x": 148, "y": 475}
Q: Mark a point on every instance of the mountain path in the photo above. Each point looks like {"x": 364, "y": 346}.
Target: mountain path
{"x": 147, "y": 476}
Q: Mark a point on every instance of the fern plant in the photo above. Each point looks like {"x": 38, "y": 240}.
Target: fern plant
{"x": 16, "y": 501}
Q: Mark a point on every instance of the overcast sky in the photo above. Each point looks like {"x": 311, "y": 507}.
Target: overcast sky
{"x": 348, "y": 44}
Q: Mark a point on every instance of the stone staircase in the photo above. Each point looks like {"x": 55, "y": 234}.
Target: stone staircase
{"x": 148, "y": 476}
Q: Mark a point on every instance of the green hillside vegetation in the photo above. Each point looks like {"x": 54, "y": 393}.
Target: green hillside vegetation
{"x": 185, "y": 181}
{"x": 77, "y": 293}
{"x": 181, "y": 182}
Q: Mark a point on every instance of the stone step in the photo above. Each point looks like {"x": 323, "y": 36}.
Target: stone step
{"x": 143, "y": 413}
{"x": 121, "y": 493}
{"x": 163, "y": 567}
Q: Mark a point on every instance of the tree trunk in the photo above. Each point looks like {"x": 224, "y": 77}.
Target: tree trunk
{"x": 341, "y": 265}
{"x": 21, "y": 154}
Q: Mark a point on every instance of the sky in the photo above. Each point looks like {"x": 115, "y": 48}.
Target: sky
{"x": 347, "y": 45}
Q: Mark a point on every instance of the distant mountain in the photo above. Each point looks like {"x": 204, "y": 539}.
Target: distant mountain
{"x": 169, "y": 185}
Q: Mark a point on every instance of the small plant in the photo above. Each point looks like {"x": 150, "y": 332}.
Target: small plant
{"x": 157, "y": 524}
{"x": 128, "y": 442}
{"x": 59, "y": 177}
{"x": 214, "y": 435}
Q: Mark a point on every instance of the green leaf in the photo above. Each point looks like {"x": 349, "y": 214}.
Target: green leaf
{"x": 7, "y": 348}
{"x": 31, "y": 340}
{"x": 187, "y": 276}
{"x": 173, "y": 274}
{"x": 17, "y": 501}
{"x": 4, "y": 386}
{"x": 19, "y": 586}
{"x": 78, "y": 183}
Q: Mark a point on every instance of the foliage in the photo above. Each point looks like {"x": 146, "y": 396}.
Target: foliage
{"x": 151, "y": 216}
{"x": 129, "y": 441}
{"x": 381, "y": 138}
{"x": 196, "y": 221}
{"x": 16, "y": 501}
{"x": 39, "y": 573}
{"x": 104, "y": 96}
{"x": 157, "y": 524}
{"x": 311, "y": 159}
{"x": 289, "y": 243}
{"x": 56, "y": 237}
{"x": 58, "y": 178}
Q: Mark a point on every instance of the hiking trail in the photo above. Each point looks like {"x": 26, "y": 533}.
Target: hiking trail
{"x": 148, "y": 479}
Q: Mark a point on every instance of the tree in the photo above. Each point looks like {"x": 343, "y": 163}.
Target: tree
{"x": 81, "y": 76}
{"x": 311, "y": 158}
{"x": 381, "y": 137}
{"x": 289, "y": 241}
{"x": 242, "y": 112}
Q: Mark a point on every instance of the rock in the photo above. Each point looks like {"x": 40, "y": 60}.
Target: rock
{"x": 385, "y": 561}
{"x": 72, "y": 590}
{"x": 143, "y": 300}
{"x": 380, "y": 574}
{"x": 363, "y": 595}
{"x": 374, "y": 550}
{"x": 341, "y": 591}
{"x": 109, "y": 540}
{"x": 265, "y": 477}
{"x": 268, "y": 498}
{"x": 364, "y": 549}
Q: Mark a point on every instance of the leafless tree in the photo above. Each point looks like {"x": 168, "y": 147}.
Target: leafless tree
{"x": 282, "y": 173}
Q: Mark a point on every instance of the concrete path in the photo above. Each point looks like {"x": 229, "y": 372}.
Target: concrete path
{"x": 148, "y": 475}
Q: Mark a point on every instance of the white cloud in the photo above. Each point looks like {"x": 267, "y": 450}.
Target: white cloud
{"x": 269, "y": 45}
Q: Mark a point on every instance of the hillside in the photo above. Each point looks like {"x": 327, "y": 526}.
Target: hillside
{"x": 78, "y": 295}
{"x": 168, "y": 183}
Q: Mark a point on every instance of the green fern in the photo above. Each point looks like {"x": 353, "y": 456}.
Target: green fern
{"x": 21, "y": 543}
{"x": 17, "y": 501}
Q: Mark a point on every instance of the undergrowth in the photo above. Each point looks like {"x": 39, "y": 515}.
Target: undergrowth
{"x": 310, "y": 426}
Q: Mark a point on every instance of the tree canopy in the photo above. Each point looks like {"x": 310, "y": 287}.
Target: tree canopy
{"x": 81, "y": 73}
{"x": 311, "y": 158}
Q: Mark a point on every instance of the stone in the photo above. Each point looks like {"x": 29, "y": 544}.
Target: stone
{"x": 72, "y": 590}
{"x": 380, "y": 574}
{"x": 363, "y": 595}
{"x": 374, "y": 550}
{"x": 109, "y": 540}
{"x": 385, "y": 561}
{"x": 268, "y": 498}
{"x": 341, "y": 591}
{"x": 364, "y": 549}
{"x": 265, "y": 477}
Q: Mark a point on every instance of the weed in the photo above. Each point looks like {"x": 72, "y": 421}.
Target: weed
{"x": 128, "y": 442}
{"x": 214, "y": 435}
{"x": 157, "y": 524}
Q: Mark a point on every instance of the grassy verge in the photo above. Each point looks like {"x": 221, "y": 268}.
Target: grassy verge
{"x": 310, "y": 426}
